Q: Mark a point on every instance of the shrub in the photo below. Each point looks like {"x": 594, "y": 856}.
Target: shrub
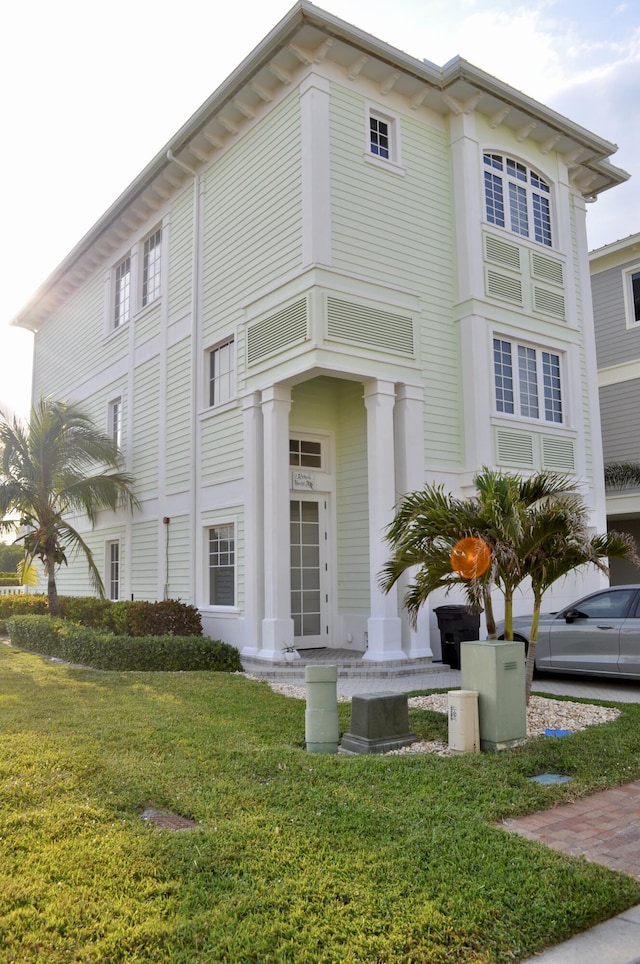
{"x": 9, "y": 579}
{"x": 80, "y": 644}
{"x": 19, "y": 604}
{"x": 170, "y": 617}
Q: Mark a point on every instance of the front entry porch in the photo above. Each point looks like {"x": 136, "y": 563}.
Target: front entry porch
{"x": 350, "y": 663}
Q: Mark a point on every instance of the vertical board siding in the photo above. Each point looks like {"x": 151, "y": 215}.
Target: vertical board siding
{"x": 181, "y": 254}
{"x": 615, "y": 343}
{"x": 221, "y": 445}
{"x": 253, "y": 216}
{"x": 619, "y": 407}
{"x": 179, "y": 459}
{"x": 146, "y": 558}
{"x": 352, "y": 502}
{"x": 146, "y": 410}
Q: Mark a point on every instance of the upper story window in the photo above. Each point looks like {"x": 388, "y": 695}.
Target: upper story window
{"x": 222, "y": 373}
{"x": 631, "y": 279}
{"x": 151, "y": 268}
{"x": 122, "y": 294}
{"x": 528, "y": 381}
{"x": 379, "y": 136}
{"x": 516, "y": 198}
{"x": 383, "y": 140}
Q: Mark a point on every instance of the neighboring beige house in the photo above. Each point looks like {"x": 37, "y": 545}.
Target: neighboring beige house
{"x": 615, "y": 284}
{"x": 349, "y": 272}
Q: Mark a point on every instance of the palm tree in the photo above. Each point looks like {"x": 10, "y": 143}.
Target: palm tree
{"x": 536, "y": 527}
{"x": 58, "y": 465}
{"x": 621, "y": 475}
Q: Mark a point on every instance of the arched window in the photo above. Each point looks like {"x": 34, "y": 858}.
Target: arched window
{"x": 516, "y": 198}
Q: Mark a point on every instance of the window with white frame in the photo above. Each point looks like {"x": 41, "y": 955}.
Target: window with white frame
{"x": 115, "y": 421}
{"x": 122, "y": 292}
{"x": 516, "y": 198}
{"x": 151, "y": 258}
{"x": 222, "y": 373}
{"x": 222, "y": 567}
{"x": 113, "y": 570}
{"x": 305, "y": 453}
{"x": 632, "y": 295}
{"x": 382, "y": 137}
{"x": 528, "y": 381}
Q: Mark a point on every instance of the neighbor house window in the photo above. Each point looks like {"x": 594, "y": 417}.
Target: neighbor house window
{"x": 151, "y": 268}
{"x": 222, "y": 565}
{"x": 122, "y": 293}
{"x": 516, "y": 198}
{"x": 113, "y": 570}
{"x": 527, "y": 381}
{"x": 221, "y": 373}
{"x": 115, "y": 421}
{"x": 632, "y": 296}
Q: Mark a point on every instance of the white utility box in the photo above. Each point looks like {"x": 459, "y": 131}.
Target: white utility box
{"x": 464, "y": 725}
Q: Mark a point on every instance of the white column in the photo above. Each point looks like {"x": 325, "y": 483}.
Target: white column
{"x": 316, "y": 173}
{"x": 409, "y": 435}
{"x": 253, "y": 524}
{"x": 277, "y": 624}
{"x": 384, "y": 625}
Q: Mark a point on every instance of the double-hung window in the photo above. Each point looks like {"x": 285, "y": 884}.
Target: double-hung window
{"x": 113, "y": 570}
{"x": 222, "y": 565}
{"x": 151, "y": 268}
{"x": 122, "y": 292}
{"x": 528, "y": 381}
{"x": 516, "y": 198}
{"x": 221, "y": 373}
{"x": 115, "y": 421}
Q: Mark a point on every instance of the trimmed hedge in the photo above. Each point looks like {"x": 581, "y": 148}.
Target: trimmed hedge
{"x": 72, "y": 643}
{"x": 9, "y": 579}
{"x": 170, "y": 617}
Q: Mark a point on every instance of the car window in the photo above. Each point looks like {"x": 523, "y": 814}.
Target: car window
{"x": 610, "y": 605}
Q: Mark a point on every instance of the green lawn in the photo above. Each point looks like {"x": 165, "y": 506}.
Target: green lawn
{"x": 297, "y": 857}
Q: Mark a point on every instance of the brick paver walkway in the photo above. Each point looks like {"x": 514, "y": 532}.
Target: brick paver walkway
{"x": 604, "y": 828}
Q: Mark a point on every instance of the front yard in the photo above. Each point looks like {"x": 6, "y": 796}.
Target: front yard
{"x": 294, "y": 857}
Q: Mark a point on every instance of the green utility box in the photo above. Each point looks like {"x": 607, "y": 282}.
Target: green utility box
{"x": 379, "y": 723}
{"x": 496, "y": 671}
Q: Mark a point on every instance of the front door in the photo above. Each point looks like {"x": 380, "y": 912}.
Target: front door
{"x": 309, "y": 599}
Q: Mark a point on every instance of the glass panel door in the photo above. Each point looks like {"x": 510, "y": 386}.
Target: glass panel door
{"x": 307, "y": 537}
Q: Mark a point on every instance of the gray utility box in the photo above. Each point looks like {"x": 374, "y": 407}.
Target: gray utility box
{"x": 496, "y": 671}
{"x": 379, "y": 723}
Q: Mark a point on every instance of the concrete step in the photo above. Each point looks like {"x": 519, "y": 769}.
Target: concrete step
{"x": 348, "y": 668}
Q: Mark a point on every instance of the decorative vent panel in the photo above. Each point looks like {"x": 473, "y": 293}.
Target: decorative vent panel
{"x": 282, "y": 330}
{"x": 515, "y": 448}
{"x": 547, "y": 269}
{"x": 373, "y": 327}
{"x": 548, "y": 302}
{"x": 558, "y": 454}
{"x": 502, "y": 253}
{"x": 503, "y": 287}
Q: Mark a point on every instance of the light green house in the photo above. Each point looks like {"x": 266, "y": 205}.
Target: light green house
{"x": 349, "y": 272}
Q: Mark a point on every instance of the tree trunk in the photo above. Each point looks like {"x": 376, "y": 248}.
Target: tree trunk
{"x": 531, "y": 652}
{"x": 490, "y": 619}
{"x": 52, "y": 589}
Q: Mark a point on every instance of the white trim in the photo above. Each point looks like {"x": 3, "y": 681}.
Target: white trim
{"x": 392, "y": 163}
{"x": 616, "y": 374}
{"x": 316, "y": 170}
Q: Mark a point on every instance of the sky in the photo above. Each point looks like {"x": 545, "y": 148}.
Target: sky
{"x": 91, "y": 92}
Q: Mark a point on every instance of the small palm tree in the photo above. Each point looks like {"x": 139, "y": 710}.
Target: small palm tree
{"x": 55, "y": 466}
{"x": 536, "y": 527}
{"x": 622, "y": 475}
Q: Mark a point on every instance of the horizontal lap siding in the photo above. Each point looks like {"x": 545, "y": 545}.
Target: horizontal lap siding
{"x": 180, "y": 555}
{"x": 146, "y": 428}
{"x": 619, "y": 407}
{"x": 252, "y": 221}
{"x": 178, "y": 425}
{"x": 352, "y": 502}
{"x": 71, "y": 344}
{"x": 398, "y": 230}
{"x": 180, "y": 255}
{"x": 615, "y": 343}
{"x": 145, "y": 561}
{"x": 221, "y": 455}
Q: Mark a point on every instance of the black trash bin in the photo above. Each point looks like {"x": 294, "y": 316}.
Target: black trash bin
{"x": 457, "y": 625}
